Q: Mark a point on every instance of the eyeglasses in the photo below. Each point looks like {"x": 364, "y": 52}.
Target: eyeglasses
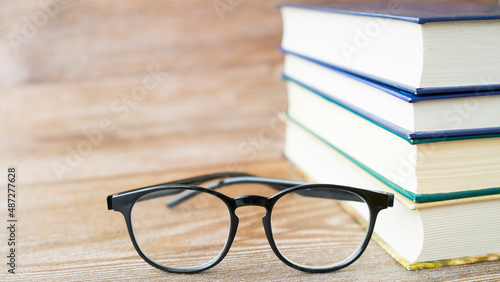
{"x": 182, "y": 228}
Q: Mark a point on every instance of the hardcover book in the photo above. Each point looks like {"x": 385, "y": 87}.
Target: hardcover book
{"x": 427, "y": 171}
{"x": 418, "y": 235}
{"x": 415, "y": 117}
{"x": 422, "y": 48}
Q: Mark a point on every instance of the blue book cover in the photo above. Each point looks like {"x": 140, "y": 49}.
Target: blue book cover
{"x": 413, "y": 12}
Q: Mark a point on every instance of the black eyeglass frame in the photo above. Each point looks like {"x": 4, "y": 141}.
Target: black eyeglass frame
{"x": 124, "y": 202}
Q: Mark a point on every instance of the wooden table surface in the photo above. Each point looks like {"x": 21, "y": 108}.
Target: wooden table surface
{"x": 109, "y": 96}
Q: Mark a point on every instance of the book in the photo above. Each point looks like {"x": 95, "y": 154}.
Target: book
{"x": 417, "y": 235}
{"x": 422, "y": 48}
{"x": 440, "y": 115}
{"x": 427, "y": 171}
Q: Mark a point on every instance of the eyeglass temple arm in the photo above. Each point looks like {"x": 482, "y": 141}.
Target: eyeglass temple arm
{"x": 197, "y": 180}
{"x": 192, "y": 181}
{"x": 279, "y": 184}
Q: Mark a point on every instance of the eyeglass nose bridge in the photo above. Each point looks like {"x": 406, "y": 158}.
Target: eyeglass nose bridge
{"x": 251, "y": 200}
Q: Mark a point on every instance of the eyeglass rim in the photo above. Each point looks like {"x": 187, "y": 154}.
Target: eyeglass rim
{"x": 373, "y": 213}
{"x": 233, "y": 226}
{"x": 123, "y": 202}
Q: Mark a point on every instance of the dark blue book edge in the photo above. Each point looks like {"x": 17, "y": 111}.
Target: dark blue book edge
{"x": 416, "y": 12}
{"x": 406, "y": 93}
{"x": 409, "y": 136}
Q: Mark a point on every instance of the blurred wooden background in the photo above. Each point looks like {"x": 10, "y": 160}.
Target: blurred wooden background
{"x": 206, "y": 80}
{"x": 64, "y": 64}
{"x": 220, "y": 85}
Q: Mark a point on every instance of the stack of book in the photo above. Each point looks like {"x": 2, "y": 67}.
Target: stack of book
{"x": 403, "y": 98}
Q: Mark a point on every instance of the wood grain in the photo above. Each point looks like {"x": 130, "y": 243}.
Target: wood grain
{"x": 213, "y": 110}
{"x": 66, "y": 233}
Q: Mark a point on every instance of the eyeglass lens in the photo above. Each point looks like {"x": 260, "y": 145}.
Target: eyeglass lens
{"x": 316, "y": 232}
{"x": 186, "y": 236}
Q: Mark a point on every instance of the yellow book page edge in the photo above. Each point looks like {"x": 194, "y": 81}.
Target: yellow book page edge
{"x": 399, "y": 258}
{"x": 418, "y": 265}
